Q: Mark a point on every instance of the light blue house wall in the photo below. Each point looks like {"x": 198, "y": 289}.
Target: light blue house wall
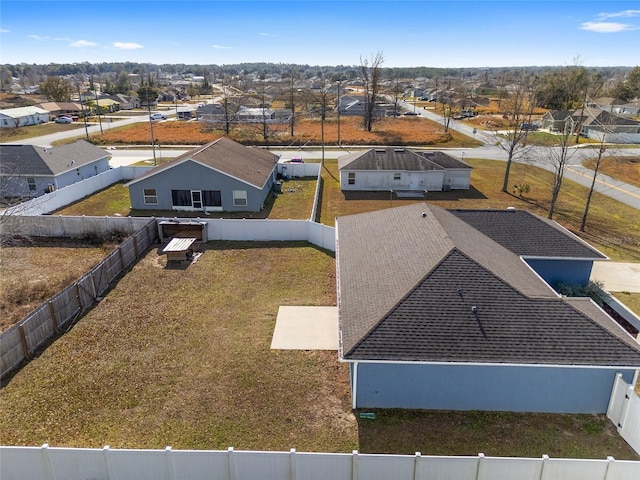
{"x": 193, "y": 176}
{"x": 571, "y": 271}
{"x": 19, "y": 185}
{"x": 492, "y": 388}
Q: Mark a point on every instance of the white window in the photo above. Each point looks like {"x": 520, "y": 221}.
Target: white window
{"x": 150, "y": 196}
{"x": 397, "y": 176}
{"x": 32, "y": 183}
{"x": 352, "y": 178}
{"x": 239, "y": 198}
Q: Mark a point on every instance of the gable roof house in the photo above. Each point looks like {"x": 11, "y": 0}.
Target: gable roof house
{"x": 220, "y": 176}
{"x": 443, "y": 310}
{"x": 56, "y": 109}
{"x": 354, "y": 105}
{"x": 402, "y": 169}
{"x": 556, "y": 120}
{"x": 22, "y": 116}
{"x": 28, "y": 171}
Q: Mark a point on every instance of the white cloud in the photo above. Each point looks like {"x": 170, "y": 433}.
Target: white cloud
{"x": 38, "y": 37}
{"x": 263, "y": 34}
{"x": 606, "y": 27}
{"x": 624, "y": 13}
{"x": 83, "y": 43}
{"x": 220, "y": 47}
{"x": 4, "y": 30}
{"x": 127, "y": 45}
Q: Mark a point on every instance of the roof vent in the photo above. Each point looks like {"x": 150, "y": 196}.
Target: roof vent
{"x": 398, "y": 150}
{"x": 511, "y": 209}
{"x": 424, "y": 214}
{"x": 380, "y": 150}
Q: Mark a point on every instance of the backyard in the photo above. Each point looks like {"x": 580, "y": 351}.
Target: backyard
{"x": 182, "y": 357}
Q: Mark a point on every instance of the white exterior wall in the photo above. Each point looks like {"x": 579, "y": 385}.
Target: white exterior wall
{"x": 368, "y": 180}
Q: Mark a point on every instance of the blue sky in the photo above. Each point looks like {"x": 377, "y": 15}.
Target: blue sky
{"x": 453, "y": 33}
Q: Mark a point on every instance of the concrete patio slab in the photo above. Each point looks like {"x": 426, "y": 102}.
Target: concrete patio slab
{"x": 306, "y": 328}
{"x": 617, "y": 277}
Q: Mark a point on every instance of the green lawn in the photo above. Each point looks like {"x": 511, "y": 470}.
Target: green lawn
{"x": 32, "y": 131}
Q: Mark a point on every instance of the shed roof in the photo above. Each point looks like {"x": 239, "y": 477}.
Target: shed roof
{"x": 248, "y": 164}
{"x": 409, "y": 277}
{"x": 41, "y": 161}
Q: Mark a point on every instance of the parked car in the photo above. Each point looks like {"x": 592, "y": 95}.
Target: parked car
{"x": 63, "y": 120}
{"x": 528, "y": 126}
{"x": 410, "y": 113}
{"x": 158, "y": 116}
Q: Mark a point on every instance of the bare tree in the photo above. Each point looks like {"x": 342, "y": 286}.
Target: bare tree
{"x": 322, "y": 97}
{"x": 559, "y": 157}
{"x": 371, "y": 73}
{"x": 292, "y": 95}
{"x": 518, "y": 108}
{"x": 230, "y": 106}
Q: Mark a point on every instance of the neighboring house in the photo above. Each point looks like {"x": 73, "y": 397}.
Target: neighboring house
{"x": 354, "y": 105}
{"x": 56, "y": 109}
{"x": 22, "y": 116}
{"x": 436, "y": 313}
{"x": 259, "y": 115}
{"x": 125, "y": 102}
{"x": 604, "y": 121}
{"x": 556, "y": 120}
{"x": 401, "y": 169}
{"x": 107, "y": 105}
{"x": 30, "y": 171}
{"x": 220, "y": 176}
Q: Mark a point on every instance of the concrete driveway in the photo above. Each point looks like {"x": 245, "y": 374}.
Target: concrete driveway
{"x": 306, "y": 328}
{"x": 617, "y": 277}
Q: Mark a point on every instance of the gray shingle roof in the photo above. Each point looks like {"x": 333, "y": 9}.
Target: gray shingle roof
{"x": 527, "y": 234}
{"x": 407, "y": 285}
{"x": 390, "y": 158}
{"x": 249, "y": 164}
{"x": 40, "y": 161}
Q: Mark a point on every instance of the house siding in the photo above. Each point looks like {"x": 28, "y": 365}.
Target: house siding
{"x": 383, "y": 180}
{"x": 574, "y": 272}
{"x": 18, "y": 186}
{"x": 490, "y": 388}
{"x": 193, "y": 176}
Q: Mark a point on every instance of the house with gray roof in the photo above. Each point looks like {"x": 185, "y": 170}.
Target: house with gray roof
{"x": 402, "y": 169}
{"x": 444, "y": 310}
{"x": 220, "y": 176}
{"x": 28, "y": 171}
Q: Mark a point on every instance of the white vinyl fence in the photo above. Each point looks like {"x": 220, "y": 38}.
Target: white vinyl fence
{"x": 49, "y": 463}
{"x": 624, "y": 412}
{"x": 263, "y": 230}
{"x": 51, "y": 202}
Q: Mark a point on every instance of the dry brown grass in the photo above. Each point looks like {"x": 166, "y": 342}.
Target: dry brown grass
{"x": 626, "y": 169}
{"x": 388, "y": 131}
{"x": 31, "y": 273}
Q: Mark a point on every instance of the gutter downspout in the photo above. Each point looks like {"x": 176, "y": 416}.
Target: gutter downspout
{"x": 354, "y": 386}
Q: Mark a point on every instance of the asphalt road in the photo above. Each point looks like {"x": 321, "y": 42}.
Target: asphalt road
{"x": 538, "y": 156}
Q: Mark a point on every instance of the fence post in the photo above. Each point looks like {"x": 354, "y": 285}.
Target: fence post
{"x": 78, "y": 296}
{"x": 23, "y": 341}
{"x": 416, "y": 466}
{"x": 543, "y": 470}
{"x": 121, "y": 260}
{"x": 292, "y": 464}
{"x": 47, "y": 462}
{"x": 354, "y": 465}
{"x": 107, "y": 461}
{"x": 52, "y": 312}
{"x": 171, "y": 473}
{"x": 135, "y": 245}
{"x": 232, "y": 466}
{"x": 480, "y": 470}
{"x": 609, "y": 473}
